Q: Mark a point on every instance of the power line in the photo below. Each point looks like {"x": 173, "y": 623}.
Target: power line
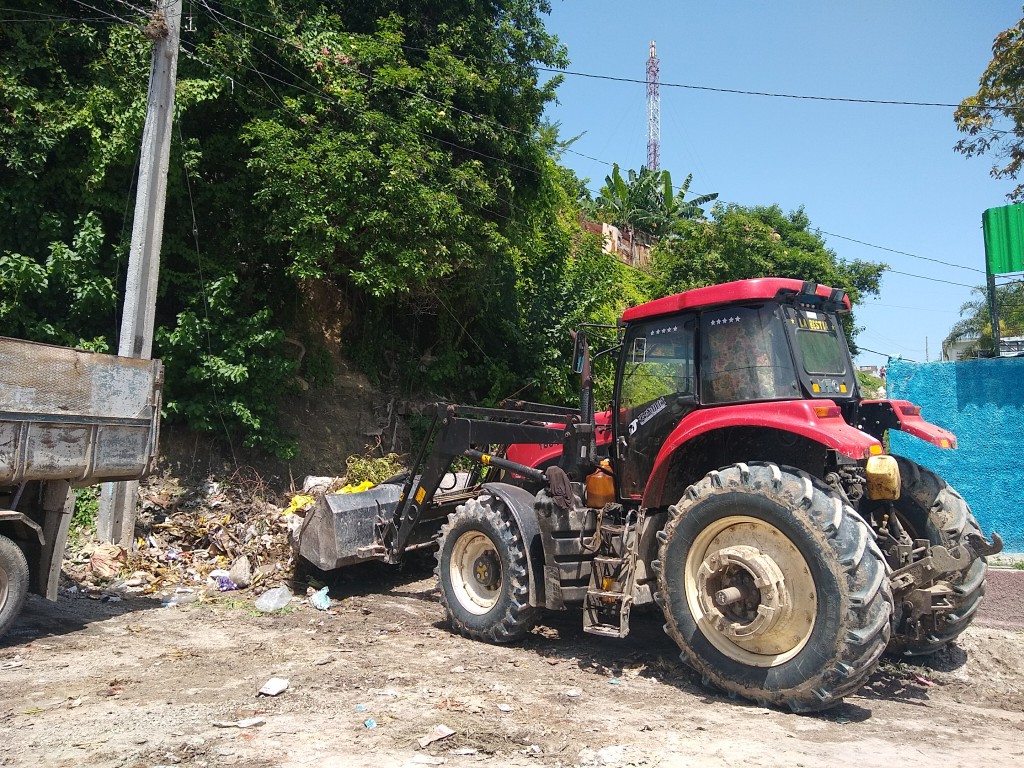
{"x": 742, "y": 92}
{"x": 900, "y": 306}
{"x": 901, "y": 253}
{"x": 924, "y": 277}
{"x": 737, "y": 91}
{"x": 861, "y": 348}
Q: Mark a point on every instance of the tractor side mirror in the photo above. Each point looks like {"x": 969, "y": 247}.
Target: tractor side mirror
{"x": 580, "y": 351}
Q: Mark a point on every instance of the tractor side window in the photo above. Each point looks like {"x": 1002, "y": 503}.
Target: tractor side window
{"x": 745, "y": 356}
{"x": 659, "y": 364}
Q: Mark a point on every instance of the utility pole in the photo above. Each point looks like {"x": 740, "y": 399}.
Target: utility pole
{"x": 116, "y": 519}
{"x": 993, "y": 312}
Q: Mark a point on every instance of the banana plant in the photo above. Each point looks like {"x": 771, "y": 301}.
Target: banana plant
{"x": 646, "y": 203}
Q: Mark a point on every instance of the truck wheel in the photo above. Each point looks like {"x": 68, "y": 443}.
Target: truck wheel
{"x": 928, "y": 508}
{"x": 773, "y": 588}
{"x": 482, "y": 570}
{"x": 13, "y": 582}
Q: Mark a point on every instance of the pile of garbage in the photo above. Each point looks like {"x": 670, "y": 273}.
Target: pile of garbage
{"x": 220, "y": 537}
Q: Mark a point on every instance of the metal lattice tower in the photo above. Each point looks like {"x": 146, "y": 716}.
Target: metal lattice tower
{"x": 653, "y": 111}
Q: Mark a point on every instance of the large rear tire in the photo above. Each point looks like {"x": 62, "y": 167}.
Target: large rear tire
{"x": 14, "y": 582}
{"x": 773, "y": 588}
{"x": 483, "y": 575}
{"x": 929, "y": 508}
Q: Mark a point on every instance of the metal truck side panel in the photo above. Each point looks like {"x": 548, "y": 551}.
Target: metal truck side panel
{"x": 77, "y": 416}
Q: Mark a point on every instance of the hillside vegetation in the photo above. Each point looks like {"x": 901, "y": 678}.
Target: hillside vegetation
{"x": 350, "y": 187}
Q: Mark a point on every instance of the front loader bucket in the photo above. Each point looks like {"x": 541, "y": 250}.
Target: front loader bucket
{"x": 341, "y": 529}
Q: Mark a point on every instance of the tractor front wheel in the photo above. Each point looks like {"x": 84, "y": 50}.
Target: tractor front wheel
{"x": 773, "y": 588}
{"x": 482, "y": 573}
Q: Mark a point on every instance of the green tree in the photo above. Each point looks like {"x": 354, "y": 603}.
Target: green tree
{"x": 992, "y": 118}
{"x": 740, "y": 242}
{"x": 399, "y": 157}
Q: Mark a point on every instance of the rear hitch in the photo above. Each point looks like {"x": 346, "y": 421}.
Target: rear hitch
{"x": 981, "y": 547}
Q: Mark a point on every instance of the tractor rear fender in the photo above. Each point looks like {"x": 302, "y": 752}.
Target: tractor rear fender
{"x": 520, "y": 503}
{"x": 817, "y": 422}
{"x": 876, "y": 416}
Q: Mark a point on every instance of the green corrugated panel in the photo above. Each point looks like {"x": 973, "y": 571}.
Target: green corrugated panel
{"x": 1004, "y": 239}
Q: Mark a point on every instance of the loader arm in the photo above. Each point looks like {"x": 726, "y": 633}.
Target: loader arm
{"x": 455, "y": 431}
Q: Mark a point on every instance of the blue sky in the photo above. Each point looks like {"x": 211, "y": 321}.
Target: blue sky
{"x": 881, "y": 174}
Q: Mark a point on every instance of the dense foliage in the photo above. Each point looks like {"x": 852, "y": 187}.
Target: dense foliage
{"x": 392, "y": 159}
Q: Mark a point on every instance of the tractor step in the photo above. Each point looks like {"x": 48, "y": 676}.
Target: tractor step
{"x": 606, "y": 630}
{"x": 612, "y": 576}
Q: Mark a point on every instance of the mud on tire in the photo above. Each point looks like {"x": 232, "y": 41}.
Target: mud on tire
{"x": 482, "y": 573}
{"x": 930, "y": 509}
{"x": 811, "y": 606}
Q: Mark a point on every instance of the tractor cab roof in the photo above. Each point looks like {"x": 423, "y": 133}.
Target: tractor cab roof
{"x": 761, "y": 289}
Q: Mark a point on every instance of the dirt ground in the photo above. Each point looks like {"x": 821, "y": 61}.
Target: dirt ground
{"x": 87, "y": 682}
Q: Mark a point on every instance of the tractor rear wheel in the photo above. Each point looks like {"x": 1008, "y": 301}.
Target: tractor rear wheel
{"x": 773, "y": 588}
{"x": 928, "y": 508}
{"x": 483, "y": 575}
{"x": 14, "y": 582}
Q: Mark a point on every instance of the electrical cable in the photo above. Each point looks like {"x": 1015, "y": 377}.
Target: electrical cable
{"x": 901, "y": 253}
{"x": 206, "y": 303}
{"x": 742, "y": 92}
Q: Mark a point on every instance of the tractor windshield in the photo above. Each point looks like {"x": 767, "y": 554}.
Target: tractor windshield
{"x": 745, "y": 356}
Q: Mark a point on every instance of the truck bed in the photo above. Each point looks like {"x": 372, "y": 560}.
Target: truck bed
{"x": 77, "y": 416}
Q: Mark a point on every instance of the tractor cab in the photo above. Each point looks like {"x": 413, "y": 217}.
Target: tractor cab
{"x": 753, "y": 341}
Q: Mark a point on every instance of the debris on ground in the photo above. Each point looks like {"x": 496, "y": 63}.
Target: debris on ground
{"x": 216, "y": 538}
{"x": 273, "y": 599}
{"x": 439, "y": 732}
{"x": 248, "y": 722}
{"x": 319, "y": 598}
{"x": 273, "y": 687}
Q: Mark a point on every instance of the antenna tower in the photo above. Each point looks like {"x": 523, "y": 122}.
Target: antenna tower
{"x": 653, "y": 111}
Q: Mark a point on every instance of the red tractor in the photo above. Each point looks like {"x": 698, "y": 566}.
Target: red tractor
{"x": 739, "y": 481}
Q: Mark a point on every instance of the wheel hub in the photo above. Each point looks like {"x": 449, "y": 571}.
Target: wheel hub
{"x": 475, "y": 571}
{"x": 487, "y": 571}
{"x": 750, "y": 591}
{"x": 742, "y": 591}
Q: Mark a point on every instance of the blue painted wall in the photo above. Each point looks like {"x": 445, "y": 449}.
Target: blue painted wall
{"x": 982, "y": 403}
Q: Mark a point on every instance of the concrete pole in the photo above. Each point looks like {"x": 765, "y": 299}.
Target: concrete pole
{"x": 993, "y": 312}
{"x": 116, "y": 519}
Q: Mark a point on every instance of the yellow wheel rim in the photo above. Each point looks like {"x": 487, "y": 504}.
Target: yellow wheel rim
{"x": 750, "y": 591}
{"x": 475, "y": 572}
